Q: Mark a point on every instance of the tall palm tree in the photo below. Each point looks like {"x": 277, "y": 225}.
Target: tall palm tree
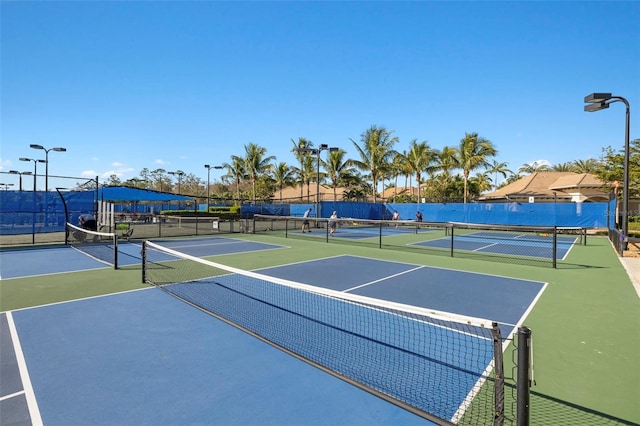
{"x": 283, "y": 176}
{"x": 375, "y": 152}
{"x": 337, "y": 170}
{"x": 299, "y": 152}
{"x": 307, "y": 172}
{"x": 419, "y": 159}
{"x": 473, "y": 153}
{"x": 399, "y": 166}
{"x": 236, "y": 170}
{"x": 496, "y": 168}
{"x": 256, "y": 163}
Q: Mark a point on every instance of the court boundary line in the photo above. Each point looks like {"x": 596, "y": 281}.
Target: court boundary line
{"x": 30, "y": 396}
{"x": 382, "y": 279}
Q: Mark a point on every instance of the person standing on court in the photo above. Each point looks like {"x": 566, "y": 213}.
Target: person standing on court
{"x": 333, "y": 222}
{"x": 305, "y": 222}
{"x": 419, "y": 216}
{"x": 396, "y": 216}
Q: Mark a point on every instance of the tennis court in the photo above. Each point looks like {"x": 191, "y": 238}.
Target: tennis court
{"x": 143, "y": 357}
{"x": 540, "y": 245}
{"x": 111, "y": 331}
{"x": 61, "y": 259}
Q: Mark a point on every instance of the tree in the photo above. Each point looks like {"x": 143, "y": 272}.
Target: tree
{"x": 236, "y": 171}
{"x": 585, "y": 166}
{"x": 256, "y": 164}
{"x": 375, "y": 150}
{"x": 299, "y": 151}
{"x": 563, "y": 167}
{"x": 419, "y": 159}
{"x": 283, "y": 177}
{"x": 496, "y": 168}
{"x": 337, "y": 169}
{"x": 472, "y": 154}
{"x": 535, "y": 167}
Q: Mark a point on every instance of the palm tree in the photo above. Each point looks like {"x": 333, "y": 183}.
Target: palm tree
{"x": 237, "y": 171}
{"x": 375, "y": 152}
{"x": 563, "y": 167}
{"x": 585, "y": 166}
{"x": 419, "y": 159}
{"x": 299, "y": 151}
{"x": 338, "y": 171}
{"x": 498, "y": 168}
{"x": 472, "y": 154}
{"x": 307, "y": 172}
{"x": 399, "y": 165}
{"x": 535, "y": 167}
{"x": 256, "y": 163}
{"x": 283, "y": 176}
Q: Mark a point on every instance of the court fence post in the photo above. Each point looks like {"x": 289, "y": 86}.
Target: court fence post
{"x": 523, "y": 383}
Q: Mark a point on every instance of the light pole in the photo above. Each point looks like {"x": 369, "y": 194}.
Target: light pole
{"x": 6, "y": 185}
{"x": 15, "y": 172}
{"x": 316, "y": 152}
{"x": 35, "y": 169}
{"x": 46, "y": 160}
{"x": 209, "y": 167}
{"x": 179, "y": 173}
{"x": 597, "y": 102}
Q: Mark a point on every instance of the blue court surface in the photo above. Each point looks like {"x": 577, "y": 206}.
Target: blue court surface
{"x": 146, "y": 358}
{"x": 490, "y": 242}
{"x": 52, "y": 260}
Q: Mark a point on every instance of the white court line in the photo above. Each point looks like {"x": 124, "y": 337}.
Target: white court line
{"x": 32, "y": 404}
{"x": 382, "y": 279}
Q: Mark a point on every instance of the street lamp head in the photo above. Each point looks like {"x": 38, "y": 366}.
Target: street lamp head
{"x": 324, "y": 146}
{"x": 596, "y": 98}
{"x": 596, "y": 106}
{"x": 36, "y": 146}
{"x": 59, "y": 149}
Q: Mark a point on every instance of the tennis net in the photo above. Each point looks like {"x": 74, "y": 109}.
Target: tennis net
{"x": 102, "y": 246}
{"x": 441, "y": 366}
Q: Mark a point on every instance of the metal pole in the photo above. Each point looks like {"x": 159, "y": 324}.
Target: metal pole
{"x": 524, "y": 377}
{"x": 625, "y": 196}
{"x": 318, "y": 187}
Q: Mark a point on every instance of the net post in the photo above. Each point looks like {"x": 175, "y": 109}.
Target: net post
{"x": 555, "y": 247}
{"x": 115, "y": 251}
{"x": 524, "y": 378}
{"x": 498, "y": 387}
{"x": 452, "y": 240}
{"x": 380, "y": 234}
{"x": 144, "y": 262}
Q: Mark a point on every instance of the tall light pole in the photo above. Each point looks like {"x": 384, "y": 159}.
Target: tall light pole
{"x": 6, "y": 185}
{"x": 35, "y": 169}
{"x": 316, "y": 152}
{"x": 600, "y": 101}
{"x": 15, "y": 172}
{"x": 209, "y": 167}
{"x": 46, "y": 160}
{"x": 179, "y": 173}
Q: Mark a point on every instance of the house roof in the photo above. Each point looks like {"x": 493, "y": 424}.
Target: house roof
{"x": 546, "y": 184}
{"x": 293, "y": 193}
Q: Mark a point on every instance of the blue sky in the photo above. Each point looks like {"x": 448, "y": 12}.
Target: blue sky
{"x": 174, "y": 85}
